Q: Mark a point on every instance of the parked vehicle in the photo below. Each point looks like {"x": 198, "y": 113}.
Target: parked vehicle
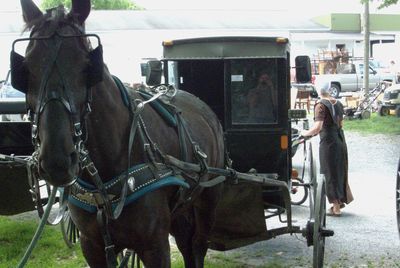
{"x": 8, "y": 92}
{"x": 349, "y": 77}
{"x": 225, "y": 72}
{"x": 391, "y": 101}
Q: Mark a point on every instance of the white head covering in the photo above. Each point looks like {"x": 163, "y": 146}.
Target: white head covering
{"x": 323, "y": 87}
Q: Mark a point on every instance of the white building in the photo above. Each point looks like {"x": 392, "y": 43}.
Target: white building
{"x": 130, "y": 36}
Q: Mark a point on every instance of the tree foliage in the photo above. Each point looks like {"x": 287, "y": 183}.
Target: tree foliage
{"x": 386, "y": 3}
{"x": 96, "y": 4}
{"x": 383, "y": 3}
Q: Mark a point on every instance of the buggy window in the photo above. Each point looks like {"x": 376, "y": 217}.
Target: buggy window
{"x": 254, "y": 91}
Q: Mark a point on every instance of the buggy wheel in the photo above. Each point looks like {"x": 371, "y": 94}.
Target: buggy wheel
{"x": 383, "y": 110}
{"x": 298, "y": 192}
{"x": 319, "y": 231}
{"x": 69, "y": 230}
{"x": 398, "y": 197}
{"x": 312, "y": 176}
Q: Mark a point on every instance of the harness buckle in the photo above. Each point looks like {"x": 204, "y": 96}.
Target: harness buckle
{"x": 91, "y": 169}
{"x": 109, "y": 247}
{"x": 88, "y": 108}
{"x": 34, "y": 131}
{"x": 199, "y": 152}
{"x": 78, "y": 130}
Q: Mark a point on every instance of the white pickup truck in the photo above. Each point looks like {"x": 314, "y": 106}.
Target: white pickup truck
{"x": 349, "y": 78}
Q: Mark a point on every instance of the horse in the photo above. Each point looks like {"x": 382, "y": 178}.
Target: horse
{"x": 83, "y": 130}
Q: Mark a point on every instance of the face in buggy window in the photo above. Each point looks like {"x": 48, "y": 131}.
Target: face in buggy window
{"x": 254, "y": 91}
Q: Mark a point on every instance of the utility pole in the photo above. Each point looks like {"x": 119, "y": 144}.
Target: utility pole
{"x": 366, "y": 47}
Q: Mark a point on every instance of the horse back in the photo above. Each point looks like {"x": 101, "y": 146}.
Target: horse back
{"x": 203, "y": 125}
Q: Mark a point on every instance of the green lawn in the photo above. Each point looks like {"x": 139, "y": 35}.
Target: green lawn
{"x": 375, "y": 125}
{"x": 51, "y": 250}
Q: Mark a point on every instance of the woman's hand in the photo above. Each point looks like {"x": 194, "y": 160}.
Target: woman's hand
{"x": 314, "y": 130}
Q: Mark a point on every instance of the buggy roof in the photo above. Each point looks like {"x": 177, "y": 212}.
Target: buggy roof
{"x": 226, "y": 47}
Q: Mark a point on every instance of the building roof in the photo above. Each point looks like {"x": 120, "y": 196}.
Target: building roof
{"x": 102, "y": 20}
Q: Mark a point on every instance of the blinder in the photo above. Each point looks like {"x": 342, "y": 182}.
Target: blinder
{"x": 20, "y": 72}
{"x": 95, "y": 69}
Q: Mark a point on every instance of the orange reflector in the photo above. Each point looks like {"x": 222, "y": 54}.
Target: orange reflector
{"x": 281, "y": 40}
{"x": 284, "y": 142}
{"x": 295, "y": 173}
{"x": 168, "y": 43}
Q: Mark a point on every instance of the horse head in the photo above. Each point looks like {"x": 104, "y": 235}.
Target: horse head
{"x": 57, "y": 74}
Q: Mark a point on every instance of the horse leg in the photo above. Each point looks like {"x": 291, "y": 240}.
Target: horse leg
{"x": 182, "y": 229}
{"x": 93, "y": 252}
{"x": 158, "y": 256}
{"x": 204, "y": 214}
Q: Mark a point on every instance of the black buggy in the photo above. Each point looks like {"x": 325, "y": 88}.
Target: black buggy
{"x": 246, "y": 82}
{"x": 22, "y": 189}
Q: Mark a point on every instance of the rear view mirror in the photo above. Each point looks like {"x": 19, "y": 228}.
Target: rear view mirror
{"x": 153, "y": 71}
{"x": 303, "y": 69}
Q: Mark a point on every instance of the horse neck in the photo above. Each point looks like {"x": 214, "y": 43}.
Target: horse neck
{"x": 108, "y": 129}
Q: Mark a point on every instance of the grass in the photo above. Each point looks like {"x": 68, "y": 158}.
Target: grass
{"x": 51, "y": 250}
{"x": 375, "y": 125}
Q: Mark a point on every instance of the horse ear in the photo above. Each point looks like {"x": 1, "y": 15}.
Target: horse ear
{"x": 30, "y": 11}
{"x": 81, "y": 8}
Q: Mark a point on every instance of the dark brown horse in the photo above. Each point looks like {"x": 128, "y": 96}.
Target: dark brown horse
{"x": 63, "y": 76}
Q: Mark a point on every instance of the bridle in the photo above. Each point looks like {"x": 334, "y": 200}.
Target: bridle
{"x": 46, "y": 95}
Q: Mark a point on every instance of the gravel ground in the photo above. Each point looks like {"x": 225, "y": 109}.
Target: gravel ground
{"x": 366, "y": 234}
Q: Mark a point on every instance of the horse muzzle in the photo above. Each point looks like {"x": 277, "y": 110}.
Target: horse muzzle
{"x": 59, "y": 171}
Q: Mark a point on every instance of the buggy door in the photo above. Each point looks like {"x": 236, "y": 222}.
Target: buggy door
{"x": 257, "y": 101}
{"x": 255, "y": 138}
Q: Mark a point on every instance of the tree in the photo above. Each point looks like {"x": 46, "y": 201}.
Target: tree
{"x": 384, "y": 3}
{"x": 96, "y": 4}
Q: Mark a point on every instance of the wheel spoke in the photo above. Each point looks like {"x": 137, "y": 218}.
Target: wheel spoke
{"x": 319, "y": 223}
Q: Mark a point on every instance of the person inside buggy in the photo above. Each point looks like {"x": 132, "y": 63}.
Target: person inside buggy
{"x": 257, "y": 96}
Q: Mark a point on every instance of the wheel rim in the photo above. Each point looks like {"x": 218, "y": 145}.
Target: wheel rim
{"x": 334, "y": 92}
{"x": 312, "y": 172}
{"x": 319, "y": 223}
{"x": 298, "y": 193}
{"x": 398, "y": 197}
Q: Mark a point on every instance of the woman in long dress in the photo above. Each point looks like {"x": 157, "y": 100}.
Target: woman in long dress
{"x": 328, "y": 122}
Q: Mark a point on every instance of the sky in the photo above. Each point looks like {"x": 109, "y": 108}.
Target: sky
{"x": 309, "y": 6}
